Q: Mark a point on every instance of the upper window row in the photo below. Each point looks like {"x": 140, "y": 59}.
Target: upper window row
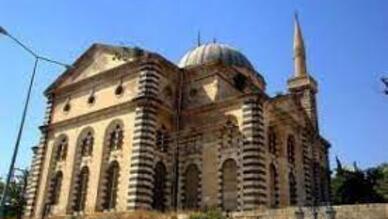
{"x": 119, "y": 90}
{"x": 114, "y": 141}
{"x": 273, "y": 145}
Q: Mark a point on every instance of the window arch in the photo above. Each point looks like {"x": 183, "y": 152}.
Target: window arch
{"x": 272, "y": 140}
{"x": 61, "y": 149}
{"x": 191, "y": 187}
{"x": 291, "y": 149}
{"x": 81, "y": 190}
{"x": 158, "y": 199}
{"x": 274, "y": 186}
{"x": 112, "y": 177}
{"x": 56, "y": 184}
{"x": 116, "y": 137}
{"x": 229, "y": 185}
{"x": 293, "y": 195}
{"x": 87, "y": 143}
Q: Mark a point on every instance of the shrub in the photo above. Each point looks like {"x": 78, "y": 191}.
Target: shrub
{"x": 211, "y": 214}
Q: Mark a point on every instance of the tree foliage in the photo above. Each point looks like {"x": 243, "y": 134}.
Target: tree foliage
{"x": 15, "y": 201}
{"x": 352, "y": 186}
{"x": 209, "y": 214}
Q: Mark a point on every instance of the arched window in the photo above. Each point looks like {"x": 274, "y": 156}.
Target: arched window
{"x": 272, "y": 140}
{"x": 323, "y": 185}
{"x": 229, "y": 185}
{"x": 116, "y": 138}
{"x": 56, "y": 185}
{"x": 112, "y": 176}
{"x": 81, "y": 190}
{"x": 162, "y": 139}
{"x": 87, "y": 145}
{"x": 191, "y": 187}
{"x": 292, "y": 189}
{"x": 291, "y": 149}
{"x": 274, "y": 186}
{"x": 158, "y": 199}
{"x": 316, "y": 180}
{"x": 61, "y": 149}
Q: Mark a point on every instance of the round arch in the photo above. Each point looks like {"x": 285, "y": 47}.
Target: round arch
{"x": 159, "y": 196}
{"x": 114, "y": 136}
{"x": 229, "y": 186}
{"x": 60, "y": 147}
{"x": 85, "y": 142}
{"x": 273, "y": 186}
{"x": 81, "y": 189}
{"x": 191, "y": 185}
{"x": 112, "y": 180}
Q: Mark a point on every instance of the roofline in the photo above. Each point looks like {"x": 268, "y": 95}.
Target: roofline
{"x": 106, "y": 47}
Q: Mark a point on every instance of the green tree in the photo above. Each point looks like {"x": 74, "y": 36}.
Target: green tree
{"x": 380, "y": 178}
{"x": 16, "y": 195}
{"x": 360, "y": 186}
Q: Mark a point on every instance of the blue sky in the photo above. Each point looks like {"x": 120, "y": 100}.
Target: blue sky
{"x": 347, "y": 48}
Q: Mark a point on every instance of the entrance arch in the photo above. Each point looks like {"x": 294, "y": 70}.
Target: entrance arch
{"x": 191, "y": 187}
{"x": 274, "y": 197}
{"x": 159, "y": 199}
{"x": 229, "y": 185}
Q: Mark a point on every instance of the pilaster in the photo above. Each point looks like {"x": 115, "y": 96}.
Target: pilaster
{"x": 144, "y": 141}
{"x": 253, "y": 155}
{"x": 37, "y": 163}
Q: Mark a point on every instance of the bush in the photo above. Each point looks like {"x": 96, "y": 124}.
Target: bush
{"x": 211, "y": 214}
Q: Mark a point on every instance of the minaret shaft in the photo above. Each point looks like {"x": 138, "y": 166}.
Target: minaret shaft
{"x": 302, "y": 84}
{"x": 300, "y": 67}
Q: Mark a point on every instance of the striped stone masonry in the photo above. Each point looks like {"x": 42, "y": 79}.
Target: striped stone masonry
{"x": 144, "y": 143}
{"x": 253, "y": 155}
{"x": 37, "y": 163}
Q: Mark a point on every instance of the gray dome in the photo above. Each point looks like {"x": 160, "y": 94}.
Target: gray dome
{"x": 212, "y": 52}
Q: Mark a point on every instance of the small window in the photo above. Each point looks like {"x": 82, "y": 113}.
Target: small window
{"x": 91, "y": 99}
{"x": 167, "y": 91}
{"x": 193, "y": 92}
{"x": 67, "y": 107}
{"x": 240, "y": 81}
{"x": 119, "y": 90}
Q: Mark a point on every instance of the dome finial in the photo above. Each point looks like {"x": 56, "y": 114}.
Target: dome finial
{"x": 199, "y": 38}
{"x": 296, "y": 15}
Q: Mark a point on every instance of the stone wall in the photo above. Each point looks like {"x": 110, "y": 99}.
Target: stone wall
{"x": 365, "y": 211}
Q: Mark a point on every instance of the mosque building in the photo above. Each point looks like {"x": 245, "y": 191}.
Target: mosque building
{"x": 127, "y": 129}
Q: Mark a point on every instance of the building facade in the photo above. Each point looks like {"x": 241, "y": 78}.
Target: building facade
{"x": 127, "y": 129}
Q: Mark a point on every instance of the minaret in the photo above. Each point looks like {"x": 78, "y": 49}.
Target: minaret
{"x": 301, "y": 84}
{"x": 300, "y": 68}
